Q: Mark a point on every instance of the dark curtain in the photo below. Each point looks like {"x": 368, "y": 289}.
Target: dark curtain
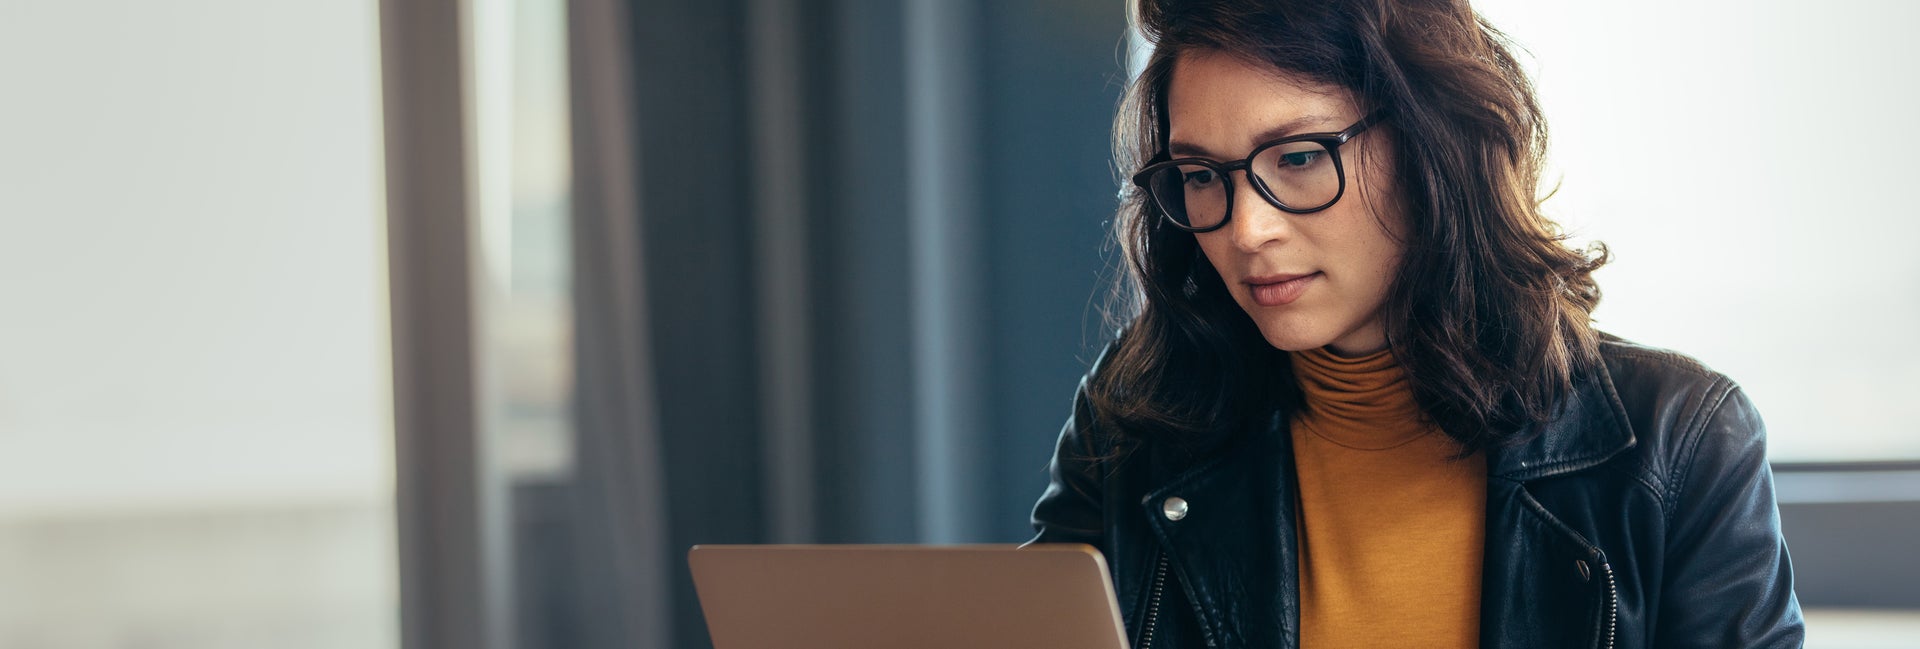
{"x": 837, "y": 269}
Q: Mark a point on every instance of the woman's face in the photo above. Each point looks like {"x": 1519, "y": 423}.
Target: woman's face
{"x": 1337, "y": 263}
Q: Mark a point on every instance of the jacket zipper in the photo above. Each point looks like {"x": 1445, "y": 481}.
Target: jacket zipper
{"x": 1153, "y": 605}
{"x": 1613, "y": 603}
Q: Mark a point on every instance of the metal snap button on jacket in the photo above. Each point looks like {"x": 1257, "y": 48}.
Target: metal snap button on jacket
{"x": 1175, "y": 508}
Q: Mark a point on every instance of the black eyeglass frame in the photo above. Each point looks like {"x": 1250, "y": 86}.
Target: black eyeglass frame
{"x": 1331, "y": 141}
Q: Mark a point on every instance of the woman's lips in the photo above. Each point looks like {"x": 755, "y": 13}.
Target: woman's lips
{"x": 1275, "y": 290}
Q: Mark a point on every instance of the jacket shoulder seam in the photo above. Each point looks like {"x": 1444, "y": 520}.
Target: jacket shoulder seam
{"x": 1691, "y": 438}
{"x": 1670, "y": 359}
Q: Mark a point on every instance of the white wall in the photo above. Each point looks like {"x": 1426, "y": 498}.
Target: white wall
{"x": 1750, "y": 163}
{"x": 193, "y": 332}
{"x": 192, "y": 259}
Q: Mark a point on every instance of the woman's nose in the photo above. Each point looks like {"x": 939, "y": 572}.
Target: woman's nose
{"x": 1255, "y": 223}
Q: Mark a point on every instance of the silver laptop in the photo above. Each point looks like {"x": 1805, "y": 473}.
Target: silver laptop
{"x": 906, "y": 597}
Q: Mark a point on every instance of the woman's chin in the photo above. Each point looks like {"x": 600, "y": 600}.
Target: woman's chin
{"x": 1293, "y": 339}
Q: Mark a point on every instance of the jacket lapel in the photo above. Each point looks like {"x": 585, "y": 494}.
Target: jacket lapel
{"x": 1537, "y": 581}
{"x": 1233, "y": 549}
{"x": 1591, "y": 428}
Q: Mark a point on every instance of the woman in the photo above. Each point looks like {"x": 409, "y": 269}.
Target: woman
{"x": 1357, "y": 399}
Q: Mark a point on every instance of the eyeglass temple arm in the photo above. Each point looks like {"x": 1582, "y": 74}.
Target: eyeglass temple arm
{"x": 1372, "y": 118}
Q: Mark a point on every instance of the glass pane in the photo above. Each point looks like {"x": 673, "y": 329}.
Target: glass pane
{"x": 1300, "y": 174}
{"x": 1192, "y": 194}
{"x": 520, "y": 109}
{"x": 524, "y": 311}
{"x": 195, "y": 437}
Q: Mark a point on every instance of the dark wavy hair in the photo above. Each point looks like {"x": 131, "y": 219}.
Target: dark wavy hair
{"x": 1489, "y": 312}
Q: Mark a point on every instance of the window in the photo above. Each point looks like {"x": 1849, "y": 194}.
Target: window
{"x": 195, "y": 437}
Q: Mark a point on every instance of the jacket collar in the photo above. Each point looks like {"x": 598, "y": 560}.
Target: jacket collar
{"x": 1591, "y": 428}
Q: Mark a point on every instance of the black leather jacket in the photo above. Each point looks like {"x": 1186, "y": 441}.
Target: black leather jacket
{"x": 1643, "y": 516}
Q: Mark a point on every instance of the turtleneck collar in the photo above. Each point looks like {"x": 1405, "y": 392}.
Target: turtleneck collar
{"x": 1361, "y": 402}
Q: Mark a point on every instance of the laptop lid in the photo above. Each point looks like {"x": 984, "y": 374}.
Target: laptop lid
{"x": 906, "y": 596}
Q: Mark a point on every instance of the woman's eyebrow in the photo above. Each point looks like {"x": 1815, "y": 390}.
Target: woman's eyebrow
{"x": 1180, "y": 149}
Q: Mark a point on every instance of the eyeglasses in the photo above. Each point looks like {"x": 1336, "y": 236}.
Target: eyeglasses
{"x": 1298, "y": 174}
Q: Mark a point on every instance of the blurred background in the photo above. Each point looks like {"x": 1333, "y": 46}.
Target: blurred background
{"x": 454, "y": 323}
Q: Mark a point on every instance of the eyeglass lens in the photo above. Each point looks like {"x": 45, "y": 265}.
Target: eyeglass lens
{"x": 1300, "y": 175}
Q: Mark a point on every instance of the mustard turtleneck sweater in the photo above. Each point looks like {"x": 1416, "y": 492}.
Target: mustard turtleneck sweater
{"x": 1391, "y": 528}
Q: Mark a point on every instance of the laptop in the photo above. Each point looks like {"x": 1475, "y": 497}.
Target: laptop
{"x": 906, "y": 597}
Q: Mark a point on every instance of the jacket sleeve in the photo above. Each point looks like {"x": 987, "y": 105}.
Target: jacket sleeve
{"x": 1069, "y": 511}
{"x": 1728, "y": 581}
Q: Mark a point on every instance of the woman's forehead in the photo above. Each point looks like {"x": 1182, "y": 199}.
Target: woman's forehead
{"x": 1223, "y": 104}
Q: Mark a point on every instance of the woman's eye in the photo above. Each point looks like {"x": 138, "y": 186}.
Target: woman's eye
{"x": 1299, "y": 158}
{"x": 1200, "y": 178}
